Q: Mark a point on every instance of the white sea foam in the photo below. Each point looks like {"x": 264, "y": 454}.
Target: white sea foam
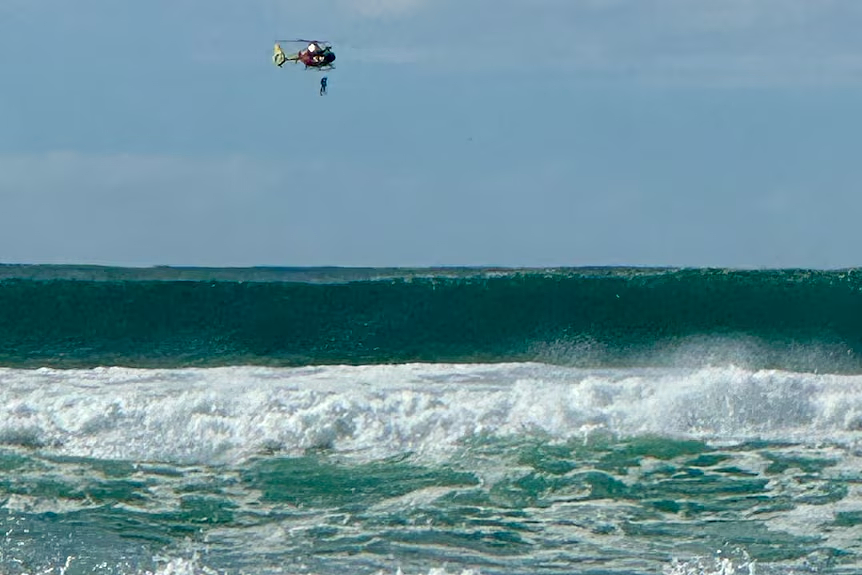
{"x": 227, "y": 414}
{"x": 195, "y": 566}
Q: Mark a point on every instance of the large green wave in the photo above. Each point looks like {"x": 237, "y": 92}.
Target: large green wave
{"x": 78, "y": 316}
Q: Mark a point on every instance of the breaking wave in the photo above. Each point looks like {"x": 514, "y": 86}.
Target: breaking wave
{"x": 226, "y": 414}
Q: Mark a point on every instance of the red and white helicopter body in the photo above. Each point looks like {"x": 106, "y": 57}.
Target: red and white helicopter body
{"x": 316, "y": 55}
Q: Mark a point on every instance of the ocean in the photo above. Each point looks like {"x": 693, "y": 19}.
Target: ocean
{"x": 442, "y": 421}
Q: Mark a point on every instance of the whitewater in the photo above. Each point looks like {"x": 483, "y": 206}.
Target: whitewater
{"x": 226, "y": 415}
{"x": 430, "y": 468}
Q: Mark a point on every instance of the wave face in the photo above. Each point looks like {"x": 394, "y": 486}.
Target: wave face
{"x": 169, "y": 317}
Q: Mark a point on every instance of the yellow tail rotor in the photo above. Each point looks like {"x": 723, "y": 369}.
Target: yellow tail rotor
{"x": 278, "y": 55}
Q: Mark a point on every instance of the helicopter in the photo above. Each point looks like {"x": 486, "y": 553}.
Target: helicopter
{"x": 315, "y": 55}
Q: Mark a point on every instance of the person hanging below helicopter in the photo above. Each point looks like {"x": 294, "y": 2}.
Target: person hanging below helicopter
{"x": 323, "y": 86}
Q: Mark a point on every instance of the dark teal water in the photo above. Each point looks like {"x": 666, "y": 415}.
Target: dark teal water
{"x": 57, "y": 316}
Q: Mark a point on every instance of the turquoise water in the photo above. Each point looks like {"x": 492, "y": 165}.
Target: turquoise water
{"x": 430, "y": 421}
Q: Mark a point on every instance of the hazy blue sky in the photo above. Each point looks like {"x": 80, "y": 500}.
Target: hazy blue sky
{"x": 455, "y": 132}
